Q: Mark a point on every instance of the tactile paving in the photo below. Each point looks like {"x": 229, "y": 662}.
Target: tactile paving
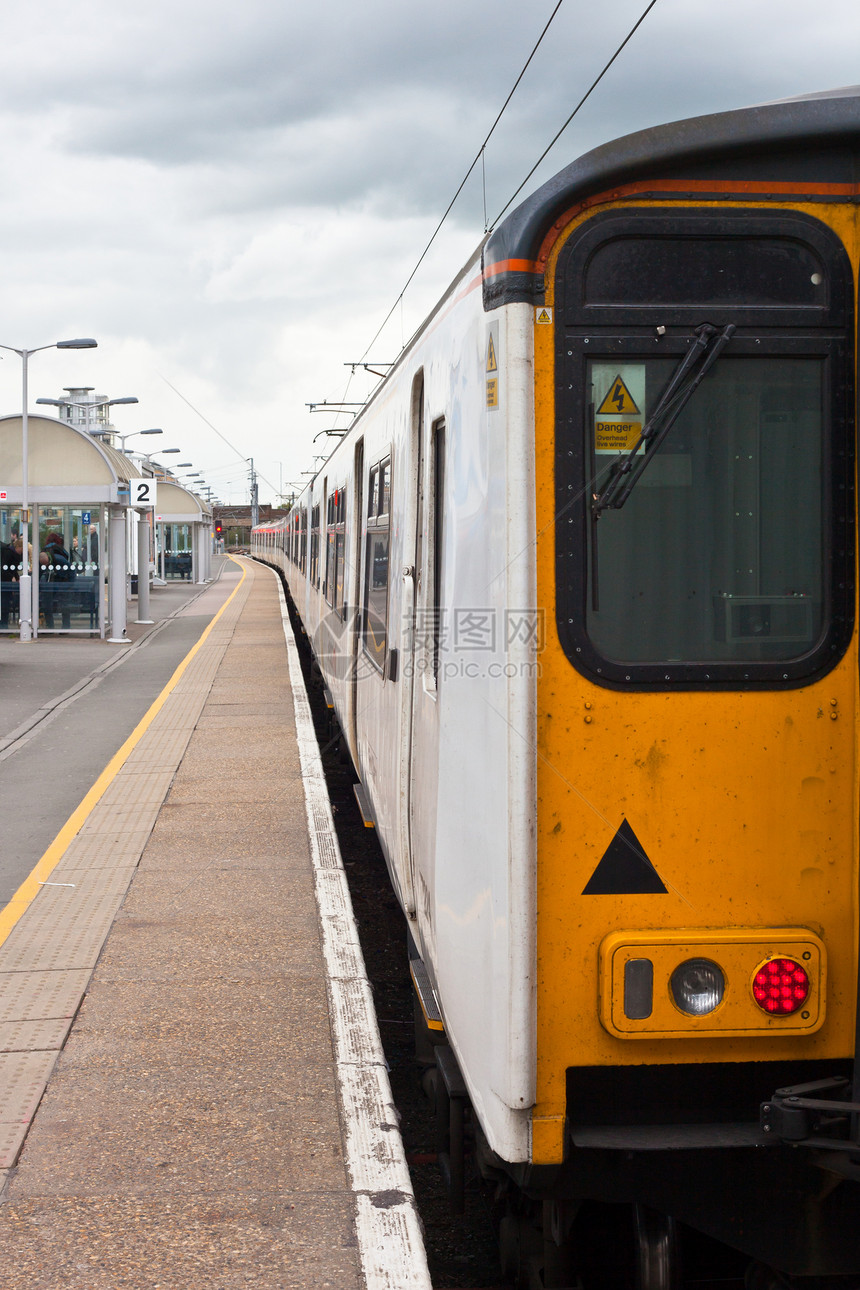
{"x": 41, "y": 942}
{"x": 22, "y": 1082}
{"x": 163, "y": 746}
{"x": 97, "y": 850}
{"x": 118, "y": 818}
{"x": 11, "y": 1139}
{"x": 141, "y": 790}
{"x": 33, "y": 1036}
{"x": 34, "y": 996}
{"x": 64, "y": 893}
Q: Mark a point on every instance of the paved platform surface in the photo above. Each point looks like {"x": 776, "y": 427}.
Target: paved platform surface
{"x": 192, "y": 1089}
{"x": 67, "y": 704}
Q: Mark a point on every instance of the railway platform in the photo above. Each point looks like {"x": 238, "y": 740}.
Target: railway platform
{"x": 192, "y": 1087}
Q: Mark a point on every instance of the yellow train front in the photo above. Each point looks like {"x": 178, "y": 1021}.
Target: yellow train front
{"x": 694, "y": 292}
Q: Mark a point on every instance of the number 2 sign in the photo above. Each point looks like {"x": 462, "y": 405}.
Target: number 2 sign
{"x": 142, "y": 492}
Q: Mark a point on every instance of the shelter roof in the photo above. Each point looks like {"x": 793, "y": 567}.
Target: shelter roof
{"x": 178, "y": 505}
{"x": 66, "y": 465}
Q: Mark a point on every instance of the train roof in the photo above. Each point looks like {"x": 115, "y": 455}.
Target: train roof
{"x": 769, "y": 142}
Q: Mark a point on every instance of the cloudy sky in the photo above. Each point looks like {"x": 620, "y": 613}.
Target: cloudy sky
{"x": 230, "y": 196}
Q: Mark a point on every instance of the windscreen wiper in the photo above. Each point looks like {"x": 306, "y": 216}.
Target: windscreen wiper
{"x": 627, "y": 470}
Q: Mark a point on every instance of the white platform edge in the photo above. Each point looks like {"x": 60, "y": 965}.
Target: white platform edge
{"x": 388, "y": 1228}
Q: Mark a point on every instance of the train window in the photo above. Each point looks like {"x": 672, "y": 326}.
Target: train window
{"x": 745, "y": 457}
{"x": 704, "y": 521}
{"x": 330, "y": 549}
{"x": 780, "y": 270}
{"x": 335, "y": 566}
{"x": 315, "y": 546}
{"x": 636, "y": 271}
{"x": 384, "y": 487}
{"x": 437, "y": 494}
{"x": 375, "y": 607}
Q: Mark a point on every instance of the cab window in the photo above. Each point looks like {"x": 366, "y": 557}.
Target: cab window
{"x": 704, "y": 531}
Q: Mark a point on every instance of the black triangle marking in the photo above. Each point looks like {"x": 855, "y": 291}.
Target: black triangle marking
{"x": 625, "y": 870}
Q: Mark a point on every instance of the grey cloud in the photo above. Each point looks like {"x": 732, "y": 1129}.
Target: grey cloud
{"x": 237, "y": 192}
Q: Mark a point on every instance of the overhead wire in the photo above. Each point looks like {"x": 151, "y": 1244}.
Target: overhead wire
{"x": 480, "y": 154}
{"x": 465, "y": 178}
{"x": 215, "y": 429}
{"x": 631, "y": 33}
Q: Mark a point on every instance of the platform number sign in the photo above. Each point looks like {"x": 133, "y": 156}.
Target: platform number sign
{"x": 142, "y": 492}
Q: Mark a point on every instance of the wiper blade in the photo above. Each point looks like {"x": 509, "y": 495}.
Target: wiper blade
{"x": 627, "y": 470}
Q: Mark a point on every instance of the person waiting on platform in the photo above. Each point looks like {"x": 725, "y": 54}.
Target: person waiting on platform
{"x": 93, "y": 549}
{"x": 56, "y": 574}
{"x": 10, "y": 566}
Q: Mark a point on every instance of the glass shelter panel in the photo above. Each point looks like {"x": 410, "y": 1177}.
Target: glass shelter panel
{"x": 10, "y": 567}
{"x": 175, "y": 555}
{"x": 67, "y": 566}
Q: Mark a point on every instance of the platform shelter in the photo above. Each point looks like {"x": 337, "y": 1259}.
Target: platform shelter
{"x": 78, "y": 529}
{"x": 183, "y": 535}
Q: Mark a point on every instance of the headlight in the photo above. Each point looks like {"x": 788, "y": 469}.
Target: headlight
{"x": 697, "y": 987}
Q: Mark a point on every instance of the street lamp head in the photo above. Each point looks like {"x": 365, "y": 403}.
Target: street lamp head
{"x": 180, "y": 464}
{"x": 85, "y": 342}
{"x": 94, "y": 403}
{"x": 148, "y": 431}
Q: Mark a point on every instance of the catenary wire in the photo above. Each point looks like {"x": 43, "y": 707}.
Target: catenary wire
{"x": 480, "y": 153}
{"x": 587, "y": 93}
{"x": 465, "y": 178}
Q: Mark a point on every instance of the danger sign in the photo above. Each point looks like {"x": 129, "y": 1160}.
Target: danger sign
{"x": 619, "y": 401}
{"x": 618, "y": 396}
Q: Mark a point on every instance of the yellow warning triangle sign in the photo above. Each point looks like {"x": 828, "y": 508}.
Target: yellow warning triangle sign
{"x": 492, "y": 365}
{"x": 619, "y": 402}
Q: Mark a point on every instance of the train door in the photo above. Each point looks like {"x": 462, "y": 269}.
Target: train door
{"x": 324, "y": 571}
{"x": 423, "y": 773}
{"x": 355, "y": 630}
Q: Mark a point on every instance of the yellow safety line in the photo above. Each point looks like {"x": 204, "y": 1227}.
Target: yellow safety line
{"x": 31, "y": 887}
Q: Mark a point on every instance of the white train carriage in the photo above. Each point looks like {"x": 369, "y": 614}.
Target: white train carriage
{"x": 410, "y": 562}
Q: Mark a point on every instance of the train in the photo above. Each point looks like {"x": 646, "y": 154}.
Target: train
{"x": 581, "y": 582}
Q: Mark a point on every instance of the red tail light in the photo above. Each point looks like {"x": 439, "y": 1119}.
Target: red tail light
{"x": 780, "y": 987}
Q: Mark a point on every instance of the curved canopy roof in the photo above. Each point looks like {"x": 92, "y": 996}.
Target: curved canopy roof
{"x": 66, "y": 465}
{"x": 177, "y": 505}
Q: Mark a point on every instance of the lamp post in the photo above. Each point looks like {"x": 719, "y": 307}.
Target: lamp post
{"x": 25, "y": 584}
{"x": 159, "y": 452}
{"x": 123, "y": 437}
